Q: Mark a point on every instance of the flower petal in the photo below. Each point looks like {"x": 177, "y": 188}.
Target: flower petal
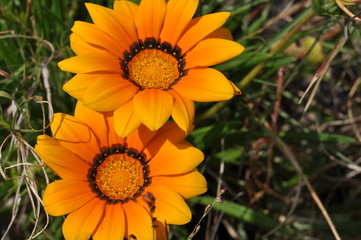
{"x": 64, "y": 196}
{"x": 170, "y": 131}
{"x": 93, "y": 35}
{"x": 112, "y": 225}
{"x": 79, "y": 225}
{"x": 125, "y": 120}
{"x": 200, "y": 27}
{"x": 62, "y": 161}
{"x": 91, "y": 62}
{"x": 169, "y": 205}
{"x": 212, "y": 51}
{"x": 76, "y": 136}
{"x": 140, "y": 138}
{"x": 184, "y": 158}
{"x": 178, "y": 15}
{"x": 153, "y": 107}
{"x": 221, "y": 32}
{"x": 127, "y": 8}
{"x": 205, "y": 85}
{"x": 120, "y": 27}
{"x": 138, "y": 221}
{"x": 79, "y": 46}
{"x": 109, "y": 92}
{"x": 150, "y": 17}
{"x": 183, "y": 111}
{"x": 187, "y": 185}
{"x": 77, "y": 86}
{"x": 95, "y": 120}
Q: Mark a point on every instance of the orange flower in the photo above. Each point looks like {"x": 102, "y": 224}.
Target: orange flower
{"x": 114, "y": 187}
{"x": 149, "y": 62}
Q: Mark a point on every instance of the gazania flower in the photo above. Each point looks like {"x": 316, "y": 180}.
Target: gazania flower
{"x": 149, "y": 62}
{"x": 114, "y": 187}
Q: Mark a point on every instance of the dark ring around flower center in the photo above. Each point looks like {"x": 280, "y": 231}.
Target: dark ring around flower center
{"x": 112, "y": 150}
{"x": 152, "y": 43}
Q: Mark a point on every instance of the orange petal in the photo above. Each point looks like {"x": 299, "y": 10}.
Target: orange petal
{"x": 91, "y": 62}
{"x": 153, "y": 107}
{"x": 138, "y": 221}
{"x": 76, "y": 136}
{"x": 64, "y": 196}
{"x": 170, "y": 131}
{"x": 187, "y": 185}
{"x": 78, "y": 85}
{"x": 205, "y": 85}
{"x": 125, "y": 120}
{"x": 175, "y": 159}
{"x": 177, "y": 17}
{"x": 93, "y": 35}
{"x": 169, "y": 205}
{"x": 161, "y": 230}
{"x": 79, "y": 46}
{"x": 212, "y": 51}
{"x": 95, "y": 120}
{"x": 150, "y": 18}
{"x": 183, "y": 111}
{"x": 79, "y": 225}
{"x": 109, "y": 92}
{"x": 221, "y": 32}
{"x": 127, "y": 8}
{"x": 120, "y": 27}
{"x": 62, "y": 161}
{"x": 140, "y": 138}
{"x": 112, "y": 225}
{"x": 200, "y": 27}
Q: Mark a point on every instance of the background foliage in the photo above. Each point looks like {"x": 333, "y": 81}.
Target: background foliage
{"x": 260, "y": 147}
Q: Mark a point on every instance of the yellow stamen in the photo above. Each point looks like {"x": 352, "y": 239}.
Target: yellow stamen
{"x": 152, "y": 68}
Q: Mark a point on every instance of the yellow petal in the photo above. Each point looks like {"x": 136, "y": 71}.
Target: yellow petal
{"x": 91, "y": 62}
{"x": 212, "y": 51}
{"x": 175, "y": 159}
{"x": 200, "y": 27}
{"x": 138, "y": 221}
{"x": 76, "y": 136}
{"x": 112, "y": 226}
{"x": 183, "y": 111}
{"x": 79, "y": 46}
{"x": 125, "y": 120}
{"x": 205, "y": 85}
{"x": 150, "y": 18}
{"x": 95, "y": 36}
{"x": 77, "y": 86}
{"x": 178, "y": 15}
{"x": 79, "y": 225}
{"x": 127, "y": 8}
{"x": 169, "y": 205}
{"x": 62, "y": 161}
{"x": 187, "y": 185}
{"x": 109, "y": 92}
{"x": 153, "y": 107}
{"x": 64, "y": 196}
{"x": 120, "y": 27}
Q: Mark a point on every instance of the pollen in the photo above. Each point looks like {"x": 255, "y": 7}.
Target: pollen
{"x": 118, "y": 177}
{"x": 152, "y": 68}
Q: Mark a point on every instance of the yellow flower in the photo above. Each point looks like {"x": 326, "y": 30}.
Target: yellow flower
{"x": 114, "y": 187}
{"x": 149, "y": 62}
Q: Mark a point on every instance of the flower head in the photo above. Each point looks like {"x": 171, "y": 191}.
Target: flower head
{"x": 149, "y": 62}
{"x": 114, "y": 187}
